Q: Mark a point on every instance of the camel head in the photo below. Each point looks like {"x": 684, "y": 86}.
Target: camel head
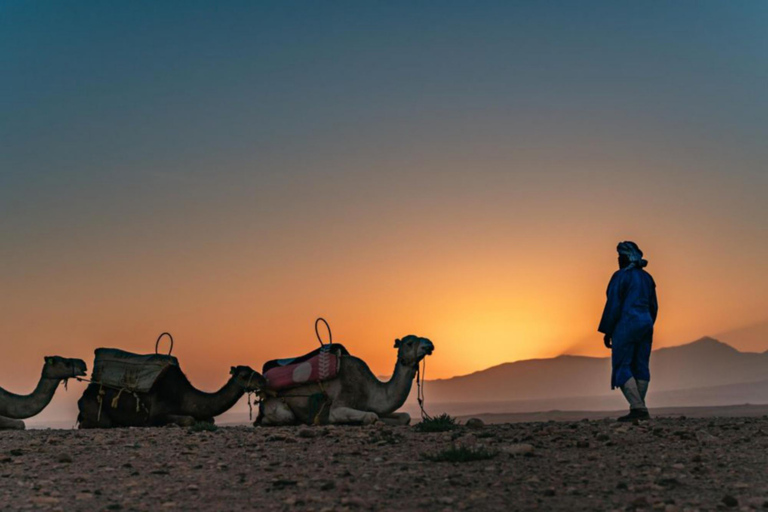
{"x": 412, "y": 349}
{"x": 62, "y": 368}
{"x": 247, "y": 378}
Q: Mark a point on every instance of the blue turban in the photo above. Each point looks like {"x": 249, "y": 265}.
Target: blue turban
{"x": 633, "y": 252}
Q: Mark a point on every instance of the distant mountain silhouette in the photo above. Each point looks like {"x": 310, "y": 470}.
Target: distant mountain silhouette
{"x": 753, "y": 338}
{"x": 705, "y": 363}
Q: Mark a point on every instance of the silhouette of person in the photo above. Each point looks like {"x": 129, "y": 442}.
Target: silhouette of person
{"x": 627, "y": 323}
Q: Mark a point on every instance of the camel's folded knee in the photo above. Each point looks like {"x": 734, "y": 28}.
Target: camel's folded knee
{"x": 397, "y": 419}
{"x": 275, "y": 412}
{"x": 348, "y": 415}
{"x": 11, "y": 424}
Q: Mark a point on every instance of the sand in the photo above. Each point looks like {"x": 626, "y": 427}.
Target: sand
{"x": 666, "y": 464}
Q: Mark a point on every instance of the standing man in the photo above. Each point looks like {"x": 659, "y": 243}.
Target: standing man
{"x": 627, "y": 324}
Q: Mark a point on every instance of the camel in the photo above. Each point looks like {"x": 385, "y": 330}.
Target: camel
{"x": 354, "y": 396}
{"x": 14, "y": 408}
{"x": 172, "y": 400}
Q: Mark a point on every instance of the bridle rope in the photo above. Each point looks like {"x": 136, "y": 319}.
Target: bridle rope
{"x": 420, "y": 376}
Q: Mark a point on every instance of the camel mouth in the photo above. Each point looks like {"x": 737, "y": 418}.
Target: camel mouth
{"x": 80, "y": 369}
{"x": 426, "y": 349}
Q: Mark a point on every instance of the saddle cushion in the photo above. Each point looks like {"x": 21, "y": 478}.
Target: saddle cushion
{"x": 317, "y": 366}
{"x": 124, "y": 370}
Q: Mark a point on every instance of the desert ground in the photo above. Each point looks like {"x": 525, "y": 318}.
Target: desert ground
{"x": 665, "y": 464}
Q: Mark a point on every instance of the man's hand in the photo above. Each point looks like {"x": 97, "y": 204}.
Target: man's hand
{"x": 607, "y": 341}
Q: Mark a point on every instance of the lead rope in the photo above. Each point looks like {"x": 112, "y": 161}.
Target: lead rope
{"x": 249, "y": 393}
{"x": 420, "y": 375}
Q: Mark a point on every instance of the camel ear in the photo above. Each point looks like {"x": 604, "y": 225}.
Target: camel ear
{"x": 398, "y": 342}
{"x": 48, "y": 360}
{"x": 232, "y": 370}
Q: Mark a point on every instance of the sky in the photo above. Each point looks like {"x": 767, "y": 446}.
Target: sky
{"x": 461, "y": 171}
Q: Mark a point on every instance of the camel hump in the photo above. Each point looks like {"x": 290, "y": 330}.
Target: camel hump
{"x": 135, "y": 372}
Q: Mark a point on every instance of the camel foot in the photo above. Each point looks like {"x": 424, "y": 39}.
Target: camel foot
{"x": 396, "y": 419}
{"x": 11, "y": 424}
{"x": 184, "y": 421}
{"x": 274, "y": 412}
{"x": 349, "y": 415}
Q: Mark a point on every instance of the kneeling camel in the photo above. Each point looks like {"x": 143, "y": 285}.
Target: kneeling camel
{"x": 355, "y": 395}
{"x": 14, "y": 408}
{"x": 172, "y": 399}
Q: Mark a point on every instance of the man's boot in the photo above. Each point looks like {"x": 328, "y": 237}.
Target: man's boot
{"x": 637, "y": 409}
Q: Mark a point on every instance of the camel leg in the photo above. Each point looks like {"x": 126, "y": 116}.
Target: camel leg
{"x": 349, "y": 415}
{"x": 90, "y": 416}
{"x": 276, "y": 412}
{"x": 396, "y": 418}
{"x": 182, "y": 421}
{"x": 11, "y": 424}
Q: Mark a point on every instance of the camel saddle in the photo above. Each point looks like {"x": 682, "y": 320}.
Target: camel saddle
{"x": 124, "y": 370}
{"x": 319, "y": 365}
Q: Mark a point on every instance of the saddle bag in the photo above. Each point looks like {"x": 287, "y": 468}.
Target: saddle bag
{"x": 319, "y": 365}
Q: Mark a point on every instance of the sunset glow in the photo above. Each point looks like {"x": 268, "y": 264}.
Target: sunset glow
{"x": 465, "y": 187}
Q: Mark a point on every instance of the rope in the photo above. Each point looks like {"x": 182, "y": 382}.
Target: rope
{"x": 420, "y": 376}
{"x": 316, "y": 419}
{"x": 317, "y": 333}
{"x": 248, "y": 393}
{"x": 157, "y": 343}
{"x": 139, "y": 404}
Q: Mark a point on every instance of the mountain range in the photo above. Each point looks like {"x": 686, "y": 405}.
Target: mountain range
{"x": 705, "y": 372}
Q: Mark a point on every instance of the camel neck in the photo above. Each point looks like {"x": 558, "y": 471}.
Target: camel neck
{"x": 25, "y": 406}
{"x": 396, "y": 391}
{"x": 207, "y": 405}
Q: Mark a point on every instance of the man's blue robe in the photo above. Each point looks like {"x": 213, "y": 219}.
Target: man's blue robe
{"x": 628, "y": 319}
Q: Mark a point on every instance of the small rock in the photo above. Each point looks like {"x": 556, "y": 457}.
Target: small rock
{"x": 64, "y": 458}
{"x": 282, "y": 484}
{"x": 308, "y": 433}
{"x": 518, "y": 449}
{"x": 475, "y": 423}
{"x": 706, "y": 438}
{"x": 45, "y": 500}
{"x": 730, "y": 501}
{"x": 353, "y": 501}
{"x": 193, "y": 488}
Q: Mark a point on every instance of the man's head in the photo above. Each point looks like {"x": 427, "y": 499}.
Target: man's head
{"x": 630, "y": 255}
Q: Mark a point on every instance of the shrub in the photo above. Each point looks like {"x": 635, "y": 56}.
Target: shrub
{"x": 442, "y": 423}
{"x": 203, "y": 426}
{"x": 461, "y": 454}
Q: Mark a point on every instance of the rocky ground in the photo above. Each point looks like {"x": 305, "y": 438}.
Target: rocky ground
{"x": 665, "y": 464}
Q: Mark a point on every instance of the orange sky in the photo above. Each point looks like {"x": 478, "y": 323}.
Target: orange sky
{"x": 463, "y": 175}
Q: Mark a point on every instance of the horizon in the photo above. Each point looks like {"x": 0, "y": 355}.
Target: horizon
{"x": 62, "y": 408}
{"x": 228, "y": 174}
